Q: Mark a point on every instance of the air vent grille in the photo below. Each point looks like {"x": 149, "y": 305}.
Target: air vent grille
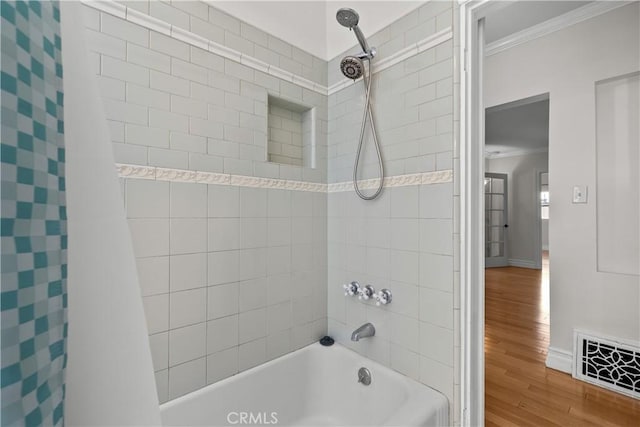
{"x": 608, "y": 363}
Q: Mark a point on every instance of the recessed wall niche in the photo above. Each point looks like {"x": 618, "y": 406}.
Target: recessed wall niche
{"x": 291, "y": 133}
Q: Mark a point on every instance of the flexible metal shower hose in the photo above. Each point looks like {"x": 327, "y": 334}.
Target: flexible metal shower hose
{"x": 367, "y": 113}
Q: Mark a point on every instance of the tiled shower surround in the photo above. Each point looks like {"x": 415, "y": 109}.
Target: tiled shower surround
{"x": 405, "y": 240}
{"x": 234, "y": 275}
{"x": 231, "y": 276}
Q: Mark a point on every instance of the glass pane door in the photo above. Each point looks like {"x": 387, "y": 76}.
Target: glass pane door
{"x": 495, "y": 219}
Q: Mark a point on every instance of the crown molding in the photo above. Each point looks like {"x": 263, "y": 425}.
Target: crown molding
{"x": 552, "y": 25}
{"x": 200, "y": 177}
{"x": 151, "y": 23}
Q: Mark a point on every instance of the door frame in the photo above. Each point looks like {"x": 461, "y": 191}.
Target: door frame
{"x": 471, "y": 172}
{"x": 538, "y": 221}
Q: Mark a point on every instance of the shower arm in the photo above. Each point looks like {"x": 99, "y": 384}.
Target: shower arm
{"x": 367, "y": 52}
{"x": 361, "y": 39}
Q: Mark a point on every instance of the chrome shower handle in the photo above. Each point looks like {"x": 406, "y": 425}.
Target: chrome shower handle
{"x": 383, "y": 297}
{"x": 366, "y": 292}
{"x": 351, "y": 289}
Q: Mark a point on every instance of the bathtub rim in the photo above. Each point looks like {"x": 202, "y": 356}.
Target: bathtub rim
{"x": 442, "y": 399}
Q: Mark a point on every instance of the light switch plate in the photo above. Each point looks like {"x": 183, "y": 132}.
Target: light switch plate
{"x": 580, "y": 194}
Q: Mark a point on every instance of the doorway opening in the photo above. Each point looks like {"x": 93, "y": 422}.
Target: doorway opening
{"x": 516, "y": 201}
{"x": 516, "y": 155}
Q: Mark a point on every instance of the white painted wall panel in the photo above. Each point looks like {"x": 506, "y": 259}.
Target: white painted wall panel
{"x": 618, "y": 201}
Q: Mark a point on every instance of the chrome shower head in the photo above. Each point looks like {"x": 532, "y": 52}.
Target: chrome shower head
{"x": 352, "y": 67}
{"x": 347, "y": 17}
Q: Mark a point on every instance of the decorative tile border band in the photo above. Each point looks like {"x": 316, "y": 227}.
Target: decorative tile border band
{"x": 424, "y": 178}
{"x": 151, "y": 23}
{"x": 199, "y": 177}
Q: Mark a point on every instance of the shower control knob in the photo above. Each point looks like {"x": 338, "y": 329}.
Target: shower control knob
{"x": 351, "y": 289}
{"x": 383, "y": 297}
{"x": 366, "y": 292}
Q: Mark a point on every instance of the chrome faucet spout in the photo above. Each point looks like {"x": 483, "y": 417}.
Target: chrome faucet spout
{"x": 364, "y": 331}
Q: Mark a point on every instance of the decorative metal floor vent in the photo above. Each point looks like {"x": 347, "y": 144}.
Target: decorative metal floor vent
{"x": 607, "y": 363}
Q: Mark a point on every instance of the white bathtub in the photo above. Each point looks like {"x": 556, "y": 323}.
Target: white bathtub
{"x": 314, "y": 386}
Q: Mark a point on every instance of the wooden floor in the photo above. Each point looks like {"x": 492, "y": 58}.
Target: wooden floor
{"x": 519, "y": 389}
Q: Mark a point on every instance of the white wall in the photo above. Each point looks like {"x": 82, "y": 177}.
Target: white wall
{"x": 567, "y": 64}
{"x": 545, "y": 234}
{"x": 522, "y": 239}
{"x": 322, "y": 35}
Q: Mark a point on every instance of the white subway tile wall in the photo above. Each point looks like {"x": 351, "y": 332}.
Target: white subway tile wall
{"x": 404, "y": 240}
{"x": 377, "y": 243}
{"x": 171, "y": 104}
{"x": 217, "y": 266}
{"x": 414, "y": 119}
{"x": 232, "y": 276}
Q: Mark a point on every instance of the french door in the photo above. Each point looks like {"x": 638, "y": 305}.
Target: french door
{"x": 495, "y": 220}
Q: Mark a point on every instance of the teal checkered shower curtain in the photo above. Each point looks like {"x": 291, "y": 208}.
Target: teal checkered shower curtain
{"x": 33, "y": 216}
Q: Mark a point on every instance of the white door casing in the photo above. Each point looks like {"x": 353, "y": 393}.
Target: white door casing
{"x": 471, "y": 204}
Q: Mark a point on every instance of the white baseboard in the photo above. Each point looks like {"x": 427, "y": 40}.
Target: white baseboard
{"x": 560, "y": 360}
{"x": 523, "y": 263}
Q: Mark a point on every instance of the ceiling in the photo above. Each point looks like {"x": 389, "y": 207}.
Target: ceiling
{"x": 509, "y": 17}
{"x": 520, "y": 126}
{"x": 312, "y": 25}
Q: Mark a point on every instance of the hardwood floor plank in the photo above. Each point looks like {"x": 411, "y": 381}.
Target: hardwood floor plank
{"x": 515, "y": 414}
{"x": 493, "y": 419}
{"x": 519, "y": 389}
